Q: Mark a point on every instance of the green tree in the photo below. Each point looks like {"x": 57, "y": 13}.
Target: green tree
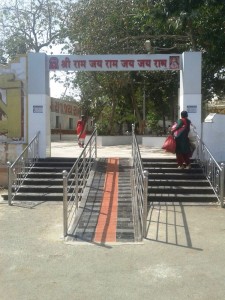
{"x": 29, "y": 26}
{"x": 101, "y": 32}
{"x": 203, "y": 23}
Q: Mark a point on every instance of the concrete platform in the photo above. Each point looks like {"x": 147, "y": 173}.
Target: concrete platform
{"x": 182, "y": 257}
{"x": 71, "y": 149}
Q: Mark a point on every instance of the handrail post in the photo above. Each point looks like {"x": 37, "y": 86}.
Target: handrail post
{"x": 84, "y": 166}
{"x": 37, "y": 146}
{"x": 222, "y": 186}
{"x": 90, "y": 148}
{"x": 145, "y": 204}
{"x": 9, "y": 183}
{"x": 133, "y": 136}
{"x": 96, "y": 135}
{"x": 65, "y": 203}
{"x": 21, "y": 166}
{"x": 76, "y": 186}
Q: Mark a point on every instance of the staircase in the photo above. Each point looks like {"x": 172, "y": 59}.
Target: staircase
{"x": 45, "y": 181}
{"x": 167, "y": 183}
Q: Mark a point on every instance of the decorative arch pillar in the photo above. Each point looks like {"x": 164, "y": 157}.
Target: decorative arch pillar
{"x": 39, "y": 102}
{"x": 190, "y": 97}
{"x": 39, "y": 66}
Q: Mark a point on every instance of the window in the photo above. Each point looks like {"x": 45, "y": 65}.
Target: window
{"x": 70, "y": 123}
{"x": 57, "y": 123}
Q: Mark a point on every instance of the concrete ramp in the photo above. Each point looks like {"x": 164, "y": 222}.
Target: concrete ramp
{"x": 105, "y": 213}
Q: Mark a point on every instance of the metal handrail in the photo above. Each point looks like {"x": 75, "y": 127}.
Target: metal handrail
{"x": 19, "y": 170}
{"x": 74, "y": 182}
{"x": 211, "y": 169}
{"x": 140, "y": 185}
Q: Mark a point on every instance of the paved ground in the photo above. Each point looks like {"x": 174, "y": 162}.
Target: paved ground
{"x": 182, "y": 257}
{"x": 70, "y": 149}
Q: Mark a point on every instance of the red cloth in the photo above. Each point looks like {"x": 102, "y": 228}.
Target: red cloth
{"x": 183, "y": 159}
{"x": 81, "y": 132}
{"x": 169, "y": 144}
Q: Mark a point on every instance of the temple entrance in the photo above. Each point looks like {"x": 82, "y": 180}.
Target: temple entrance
{"x": 40, "y": 64}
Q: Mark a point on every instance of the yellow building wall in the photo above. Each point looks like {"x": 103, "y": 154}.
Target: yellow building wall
{"x": 11, "y": 112}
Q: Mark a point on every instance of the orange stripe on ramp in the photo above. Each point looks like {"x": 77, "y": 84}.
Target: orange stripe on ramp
{"x": 107, "y": 221}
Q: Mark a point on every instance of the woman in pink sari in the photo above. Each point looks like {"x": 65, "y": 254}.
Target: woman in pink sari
{"x": 81, "y": 131}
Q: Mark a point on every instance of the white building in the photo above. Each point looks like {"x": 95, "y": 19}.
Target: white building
{"x": 64, "y": 116}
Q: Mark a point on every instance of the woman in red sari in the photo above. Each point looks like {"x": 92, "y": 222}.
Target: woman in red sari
{"x": 81, "y": 131}
{"x": 183, "y": 150}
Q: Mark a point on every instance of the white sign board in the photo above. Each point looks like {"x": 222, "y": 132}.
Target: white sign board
{"x": 192, "y": 108}
{"x": 38, "y": 109}
{"x": 122, "y": 62}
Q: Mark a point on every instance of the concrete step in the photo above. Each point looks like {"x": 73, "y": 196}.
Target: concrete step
{"x": 178, "y": 182}
{"x": 54, "y": 164}
{"x": 42, "y": 196}
{"x": 43, "y": 189}
{"x": 167, "y": 183}
{"x": 50, "y": 170}
{"x": 163, "y": 197}
{"x": 163, "y": 159}
{"x": 181, "y": 190}
{"x": 44, "y": 181}
{"x": 52, "y": 175}
{"x": 58, "y": 159}
{"x": 173, "y": 170}
{"x": 168, "y": 164}
{"x": 175, "y": 176}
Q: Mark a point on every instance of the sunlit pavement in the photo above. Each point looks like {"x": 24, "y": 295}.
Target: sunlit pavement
{"x": 181, "y": 258}
{"x": 71, "y": 149}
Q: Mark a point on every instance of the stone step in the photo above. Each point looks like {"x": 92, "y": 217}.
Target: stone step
{"x": 167, "y": 183}
{"x": 181, "y": 190}
{"x": 43, "y": 181}
{"x": 46, "y": 169}
{"x": 173, "y": 170}
{"x": 42, "y": 196}
{"x": 169, "y": 164}
{"x": 51, "y": 175}
{"x": 179, "y": 182}
{"x": 175, "y": 176}
{"x": 181, "y": 197}
{"x": 54, "y": 164}
{"x": 58, "y": 159}
{"x": 42, "y": 189}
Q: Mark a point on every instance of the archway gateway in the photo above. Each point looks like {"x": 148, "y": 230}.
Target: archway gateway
{"x": 40, "y": 64}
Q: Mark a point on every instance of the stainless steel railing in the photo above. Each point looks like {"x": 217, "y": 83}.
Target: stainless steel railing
{"x": 212, "y": 170}
{"x": 19, "y": 170}
{"x": 140, "y": 185}
{"x": 74, "y": 182}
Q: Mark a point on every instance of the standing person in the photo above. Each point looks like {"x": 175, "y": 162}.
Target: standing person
{"x": 81, "y": 131}
{"x": 183, "y": 151}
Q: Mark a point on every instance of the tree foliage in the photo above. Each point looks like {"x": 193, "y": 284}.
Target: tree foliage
{"x": 118, "y": 27}
{"x": 29, "y": 26}
{"x": 122, "y": 27}
{"x": 203, "y": 22}
{"x": 173, "y": 26}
